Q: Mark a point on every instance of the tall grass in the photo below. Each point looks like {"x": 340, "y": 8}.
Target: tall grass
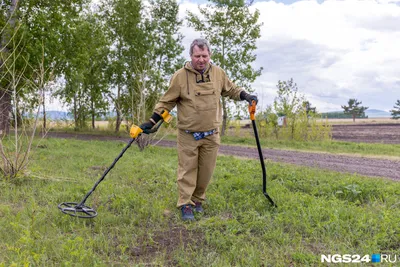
{"x": 319, "y": 212}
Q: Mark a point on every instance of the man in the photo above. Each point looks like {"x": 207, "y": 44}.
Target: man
{"x": 196, "y": 89}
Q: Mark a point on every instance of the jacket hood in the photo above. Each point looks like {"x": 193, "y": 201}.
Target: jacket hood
{"x": 188, "y": 66}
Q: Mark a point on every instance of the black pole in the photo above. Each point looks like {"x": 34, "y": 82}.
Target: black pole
{"x": 260, "y": 154}
{"x": 105, "y": 173}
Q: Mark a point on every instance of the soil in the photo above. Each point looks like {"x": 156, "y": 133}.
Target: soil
{"x": 376, "y": 133}
{"x": 166, "y": 241}
{"x": 367, "y": 133}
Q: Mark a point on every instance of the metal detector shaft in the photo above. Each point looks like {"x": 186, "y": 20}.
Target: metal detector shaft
{"x": 252, "y": 110}
{"x": 148, "y": 131}
{"x": 82, "y": 211}
{"x": 106, "y": 172}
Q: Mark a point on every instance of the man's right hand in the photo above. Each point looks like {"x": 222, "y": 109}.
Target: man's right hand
{"x": 147, "y": 125}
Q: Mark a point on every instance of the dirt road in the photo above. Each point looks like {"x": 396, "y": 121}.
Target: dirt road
{"x": 360, "y": 165}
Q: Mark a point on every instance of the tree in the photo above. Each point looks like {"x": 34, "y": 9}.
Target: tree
{"x": 144, "y": 53}
{"x": 395, "y": 112}
{"x": 33, "y": 29}
{"x": 232, "y": 31}
{"x": 302, "y": 122}
{"x": 289, "y": 103}
{"x": 354, "y": 108}
{"x": 86, "y": 87}
{"x": 8, "y": 23}
{"x": 309, "y": 108}
{"x": 159, "y": 59}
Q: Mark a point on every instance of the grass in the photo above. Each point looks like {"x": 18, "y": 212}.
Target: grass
{"x": 336, "y": 147}
{"x": 391, "y": 151}
{"x": 319, "y": 212}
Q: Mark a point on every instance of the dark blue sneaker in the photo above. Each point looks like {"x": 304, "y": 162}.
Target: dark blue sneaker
{"x": 198, "y": 207}
{"x": 187, "y": 213}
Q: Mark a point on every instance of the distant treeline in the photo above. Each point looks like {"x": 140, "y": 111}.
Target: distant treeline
{"x": 341, "y": 115}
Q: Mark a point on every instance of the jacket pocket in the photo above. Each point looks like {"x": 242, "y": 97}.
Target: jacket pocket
{"x": 205, "y": 99}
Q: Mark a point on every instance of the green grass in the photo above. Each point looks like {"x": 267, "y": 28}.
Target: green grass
{"x": 330, "y": 146}
{"x": 319, "y": 212}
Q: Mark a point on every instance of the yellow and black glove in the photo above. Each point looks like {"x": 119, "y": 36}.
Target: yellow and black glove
{"x": 152, "y": 121}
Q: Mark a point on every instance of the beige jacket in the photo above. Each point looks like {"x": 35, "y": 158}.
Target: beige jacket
{"x": 199, "y": 105}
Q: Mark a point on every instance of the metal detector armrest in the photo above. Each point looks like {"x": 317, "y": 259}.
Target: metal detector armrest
{"x": 166, "y": 116}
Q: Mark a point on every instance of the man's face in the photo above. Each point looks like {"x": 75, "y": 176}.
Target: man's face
{"x": 200, "y": 58}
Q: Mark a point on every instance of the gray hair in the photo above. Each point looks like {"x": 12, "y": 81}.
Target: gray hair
{"x": 201, "y": 43}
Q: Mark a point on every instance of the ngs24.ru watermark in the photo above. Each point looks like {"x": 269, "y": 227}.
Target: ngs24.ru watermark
{"x": 355, "y": 258}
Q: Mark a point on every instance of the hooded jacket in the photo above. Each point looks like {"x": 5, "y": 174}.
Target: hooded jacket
{"x": 197, "y": 97}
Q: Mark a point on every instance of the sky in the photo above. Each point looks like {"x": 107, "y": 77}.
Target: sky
{"x": 334, "y": 50}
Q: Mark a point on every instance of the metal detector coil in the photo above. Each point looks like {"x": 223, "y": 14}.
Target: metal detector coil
{"x": 80, "y": 210}
{"x": 73, "y": 209}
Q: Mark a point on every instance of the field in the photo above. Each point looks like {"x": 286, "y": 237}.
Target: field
{"x": 319, "y": 212}
{"x": 371, "y": 130}
{"x": 375, "y": 130}
{"x": 328, "y": 203}
{"x": 367, "y": 133}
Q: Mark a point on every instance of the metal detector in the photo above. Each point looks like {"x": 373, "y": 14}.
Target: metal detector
{"x": 80, "y": 209}
{"x": 252, "y": 110}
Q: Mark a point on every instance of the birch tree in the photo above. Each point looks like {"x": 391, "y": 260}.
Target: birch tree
{"x": 232, "y": 29}
{"x": 36, "y": 31}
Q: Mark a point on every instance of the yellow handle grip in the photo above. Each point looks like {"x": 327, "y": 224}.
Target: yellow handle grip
{"x": 135, "y": 131}
{"x": 252, "y": 110}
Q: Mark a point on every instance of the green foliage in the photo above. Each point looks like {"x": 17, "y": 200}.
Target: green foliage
{"x": 86, "y": 86}
{"x": 340, "y": 115}
{"x": 289, "y": 100}
{"x": 354, "y": 108}
{"x": 36, "y": 32}
{"x": 300, "y": 118}
{"x": 146, "y": 48}
{"x": 320, "y": 212}
{"x": 232, "y": 30}
{"x": 395, "y": 112}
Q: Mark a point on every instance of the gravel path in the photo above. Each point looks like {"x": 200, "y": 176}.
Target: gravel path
{"x": 360, "y": 165}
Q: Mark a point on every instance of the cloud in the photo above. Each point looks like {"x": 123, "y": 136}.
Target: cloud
{"x": 333, "y": 50}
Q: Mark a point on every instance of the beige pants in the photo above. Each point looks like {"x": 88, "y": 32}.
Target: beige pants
{"x": 196, "y": 164}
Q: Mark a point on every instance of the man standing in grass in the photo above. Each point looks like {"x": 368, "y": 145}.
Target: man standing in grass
{"x": 196, "y": 90}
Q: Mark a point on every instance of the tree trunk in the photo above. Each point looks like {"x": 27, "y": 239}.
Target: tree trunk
{"x": 44, "y": 113}
{"x": 93, "y": 115}
{"x": 118, "y": 122}
{"x": 5, "y": 110}
{"x": 224, "y": 117}
{"x": 75, "y": 114}
{"x": 354, "y": 117}
{"x": 93, "y": 121}
{"x": 5, "y": 96}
